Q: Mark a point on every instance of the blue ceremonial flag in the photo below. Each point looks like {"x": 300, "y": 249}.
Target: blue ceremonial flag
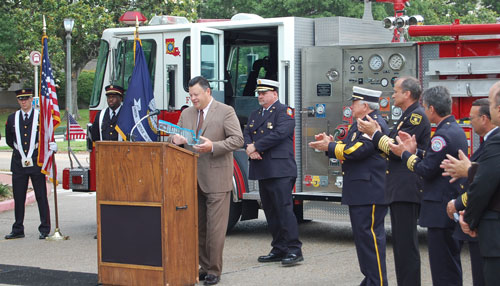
{"x": 139, "y": 101}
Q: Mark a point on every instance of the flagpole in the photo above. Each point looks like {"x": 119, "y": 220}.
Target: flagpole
{"x": 57, "y": 234}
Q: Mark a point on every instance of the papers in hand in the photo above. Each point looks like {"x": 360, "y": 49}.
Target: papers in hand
{"x": 167, "y": 127}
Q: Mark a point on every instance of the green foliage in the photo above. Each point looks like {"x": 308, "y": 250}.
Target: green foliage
{"x": 85, "y": 81}
{"x": 492, "y": 5}
{"x": 5, "y": 191}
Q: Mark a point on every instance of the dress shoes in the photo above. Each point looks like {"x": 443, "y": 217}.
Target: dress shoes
{"x": 43, "y": 235}
{"x": 202, "y": 276}
{"x": 291, "y": 259}
{"x": 271, "y": 257}
{"x": 14, "y": 235}
{"x": 211, "y": 279}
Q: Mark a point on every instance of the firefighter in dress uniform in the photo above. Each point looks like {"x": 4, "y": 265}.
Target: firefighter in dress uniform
{"x": 269, "y": 144}
{"x": 21, "y": 134}
{"x": 449, "y": 138}
{"x": 481, "y": 217}
{"x": 480, "y": 120}
{"x": 104, "y": 124}
{"x": 403, "y": 188}
{"x": 363, "y": 169}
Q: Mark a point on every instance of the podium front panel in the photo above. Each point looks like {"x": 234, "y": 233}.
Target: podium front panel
{"x": 131, "y": 234}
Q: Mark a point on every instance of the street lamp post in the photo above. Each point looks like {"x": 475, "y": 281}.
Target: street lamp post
{"x": 68, "y": 27}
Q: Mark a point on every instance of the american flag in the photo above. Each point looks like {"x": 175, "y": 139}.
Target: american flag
{"x": 75, "y": 131}
{"x": 50, "y": 117}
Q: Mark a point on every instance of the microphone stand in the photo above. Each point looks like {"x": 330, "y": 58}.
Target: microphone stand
{"x": 131, "y": 137}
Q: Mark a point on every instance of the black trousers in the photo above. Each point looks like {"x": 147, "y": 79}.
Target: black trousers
{"x": 20, "y": 186}
{"x": 444, "y": 257}
{"x": 476, "y": 262}
{"x": 367, "y": 223}
{"x": 276, "y": 196}
{"x": 491, "y": 270}
{"x": 404, "y": 217}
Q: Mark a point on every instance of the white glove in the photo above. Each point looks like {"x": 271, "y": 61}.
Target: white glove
{"x": 53, "y": 146}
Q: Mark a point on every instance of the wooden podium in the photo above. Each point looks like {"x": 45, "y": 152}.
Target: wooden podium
{"x": 147, "y": 214}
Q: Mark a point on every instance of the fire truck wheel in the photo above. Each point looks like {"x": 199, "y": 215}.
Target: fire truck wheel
{"x": 234, "y": 213}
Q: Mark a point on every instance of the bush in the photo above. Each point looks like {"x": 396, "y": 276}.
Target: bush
{"x": 85, "y": 82}
{"x": 5, "y": 191}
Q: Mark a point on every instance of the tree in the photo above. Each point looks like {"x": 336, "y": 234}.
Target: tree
{"x": 22, "y": 32}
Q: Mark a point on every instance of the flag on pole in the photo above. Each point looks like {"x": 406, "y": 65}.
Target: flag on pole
{"x": 75, "y": 130}
{"x": 139, "y": 101}
{"x": 49, "y": 113}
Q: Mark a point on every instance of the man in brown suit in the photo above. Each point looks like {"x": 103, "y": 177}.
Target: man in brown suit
{"x": 221, "y": 135}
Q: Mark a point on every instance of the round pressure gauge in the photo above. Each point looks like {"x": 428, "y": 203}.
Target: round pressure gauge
{"x": 384, "y": 82}
{"x": 384, "y": 102}
{"x": 347, "y": 112}
{"x": 396, "y": 62}
{"x": 376, "y": 63}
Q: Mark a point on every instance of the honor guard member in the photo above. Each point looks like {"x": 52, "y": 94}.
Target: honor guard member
{"x": 269, "y": 144}
{"x": 403, "y": 188}
{"x": 21, "y": 134}
{"x": 104, "y": 124}
{"x": 480, "y": 120}
{"x": 363, "y": 170}
{"x": 449, "y": 137}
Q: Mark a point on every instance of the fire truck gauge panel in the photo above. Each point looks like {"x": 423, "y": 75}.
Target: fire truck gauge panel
{"x": 396, "y": 61}
{"x": 376, "y": 63}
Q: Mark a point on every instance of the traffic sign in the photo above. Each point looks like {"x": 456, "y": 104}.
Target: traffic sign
{"x": 35, "y": 58}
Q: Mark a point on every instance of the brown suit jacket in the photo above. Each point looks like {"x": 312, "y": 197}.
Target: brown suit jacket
{"x": 222, "y": 127}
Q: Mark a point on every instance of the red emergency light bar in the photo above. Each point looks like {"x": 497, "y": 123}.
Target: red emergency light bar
{"x": 129, "y": 18}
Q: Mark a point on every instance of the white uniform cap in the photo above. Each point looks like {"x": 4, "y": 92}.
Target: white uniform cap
{"x": 369, "y": 95}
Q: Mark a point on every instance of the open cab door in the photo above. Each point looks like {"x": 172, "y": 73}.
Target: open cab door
{"x": 207, "y": 58}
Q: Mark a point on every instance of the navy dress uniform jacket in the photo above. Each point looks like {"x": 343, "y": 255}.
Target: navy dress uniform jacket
{"x": 483, "y": 202}
{"x": 108, "y": 130}
{"x": 364, "y": 167}
{"x": 272, "y": 135}
{"x": 403, "y": 185}
{"x": 25, "y": 132}
{"x": 438, "y": 191}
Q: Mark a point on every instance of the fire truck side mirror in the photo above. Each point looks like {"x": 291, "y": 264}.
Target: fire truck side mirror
{"x": 89, "y": 137}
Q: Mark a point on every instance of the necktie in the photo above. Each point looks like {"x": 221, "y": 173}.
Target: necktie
{"x": 26, "y": 117}
{"x": 263, "y": 110}
{"x": 113, "y": 116}
{"x": 200, "y": 123}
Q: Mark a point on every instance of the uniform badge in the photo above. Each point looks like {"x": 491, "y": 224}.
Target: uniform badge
{"x": 289, "y": 111}
{"x": 399, "y": 125}
{"x": 269, "y": 125}
{"x": 415, "y": 119}
{"x": 353, "y": 136}
{"x": 437, "y": 143}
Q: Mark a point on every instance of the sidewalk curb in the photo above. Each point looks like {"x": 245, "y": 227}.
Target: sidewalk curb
{"x": 7, "y": 205}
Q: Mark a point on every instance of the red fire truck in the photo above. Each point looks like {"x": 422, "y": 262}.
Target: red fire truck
{"x": 316, "y": 61}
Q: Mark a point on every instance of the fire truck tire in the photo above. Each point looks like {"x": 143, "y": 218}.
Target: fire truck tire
{"x": 234, "y": 213}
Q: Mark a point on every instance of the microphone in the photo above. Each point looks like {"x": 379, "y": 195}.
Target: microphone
{"x": 154, "y": 112}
